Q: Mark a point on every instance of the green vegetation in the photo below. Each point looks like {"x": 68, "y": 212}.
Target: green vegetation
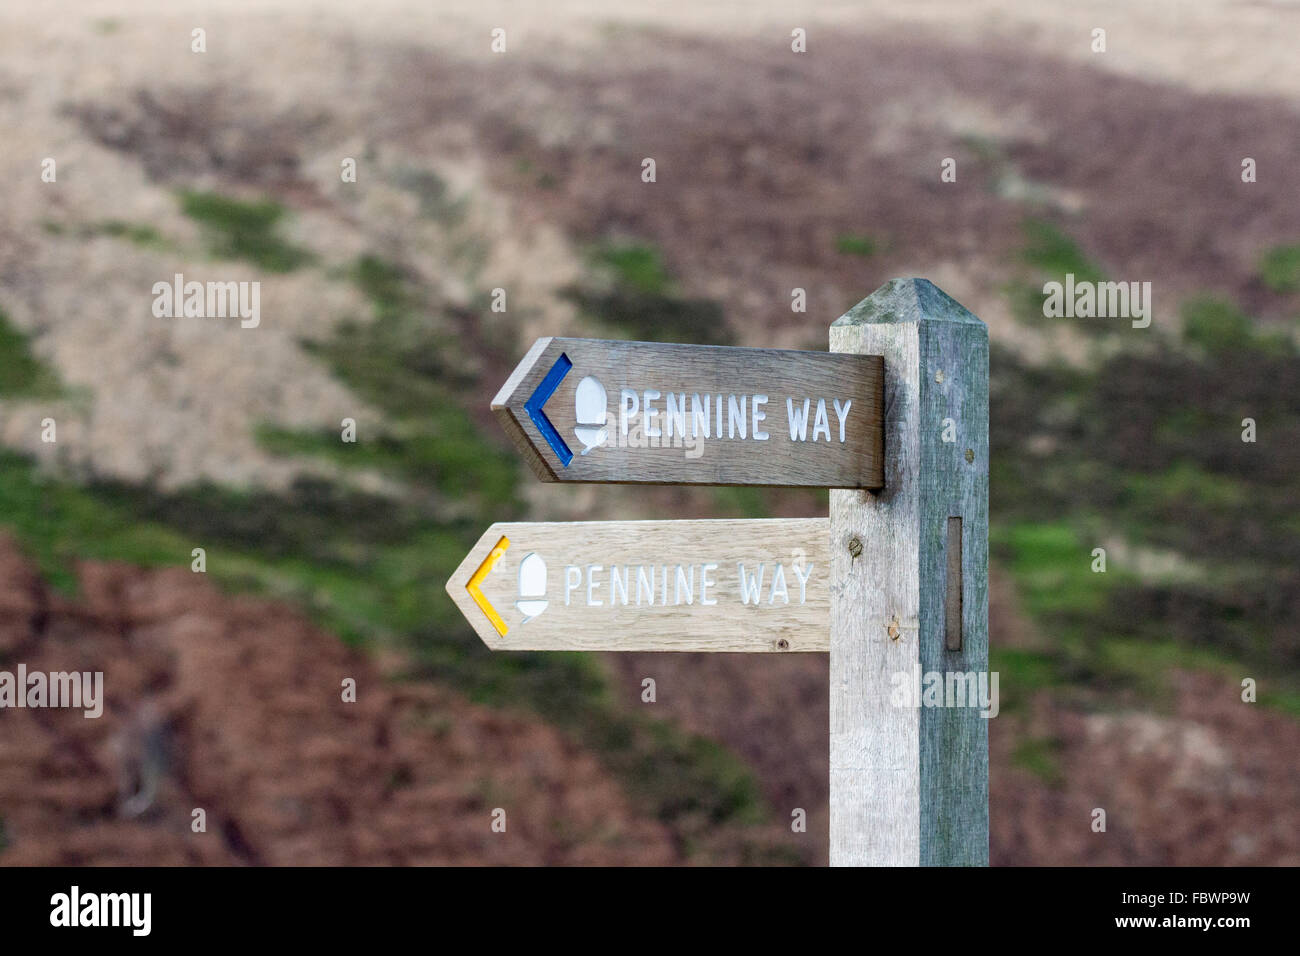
{"x": 139, "y": 233}
{"x": 638, "y": 267}
{"x": 1147, "y": 495}
{"x": 1048, "y": 255}
{"x": 851, "y": 245}
{"x": 1283, "y": 699}
{"x": 1041, "y": 757}
{"x": 1143, "y": 663}
{"x": 58, "y": 523}
{"x": 632, "y": 291}
{"x": 1021, "y": 673}
{"x": 1051, "y": 251}
{"x": 1145, "y": 447}
{"x": 444, "y": 454}
{"x": 989, "y": 154}
{"x": 244, "y": 230}
{"x": 394, "y": 363}
{"x": 436, "y": 201}
{"x": 740, "y": 501}
{"x": 1217, "y": 326}
{"x": 1280, "y": 268}
{"x": 1053, "y": 568}
{"x": 21, "y": 375}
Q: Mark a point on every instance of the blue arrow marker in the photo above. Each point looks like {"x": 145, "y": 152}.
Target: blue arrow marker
{"x": 539, "y": 398}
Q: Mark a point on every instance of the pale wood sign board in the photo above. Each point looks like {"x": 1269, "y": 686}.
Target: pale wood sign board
{"x": 716, "y": 585}
{"x": 640, "y": 412}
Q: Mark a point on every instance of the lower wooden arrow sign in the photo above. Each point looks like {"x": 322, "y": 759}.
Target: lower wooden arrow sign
{"x": 716, "y": 585}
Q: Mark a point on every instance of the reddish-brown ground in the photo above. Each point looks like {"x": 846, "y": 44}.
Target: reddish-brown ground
{"x": 235, "y": 704}
{"x": 1210, "y": 781}
{"x": 1214, "y": 783}
{"x": 232, "y": 705}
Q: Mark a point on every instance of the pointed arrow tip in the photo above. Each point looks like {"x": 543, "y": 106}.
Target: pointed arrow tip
{"x": 503, "y": 397}
{"x": 463, "y": 587}
{"x": 510, "y": 408}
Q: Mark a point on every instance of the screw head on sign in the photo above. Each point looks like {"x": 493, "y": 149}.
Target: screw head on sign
{"x": 855, "y": 546}
{"x": 892, "y": 630}
{"x": 970, "y": 455}
{"x": 783, "y": 645}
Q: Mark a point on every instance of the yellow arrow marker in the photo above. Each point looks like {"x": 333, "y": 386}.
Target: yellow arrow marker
{"x": 477, "y": 578}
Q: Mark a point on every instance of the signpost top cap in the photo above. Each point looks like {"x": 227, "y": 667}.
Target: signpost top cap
{"x": 907, "y": 300}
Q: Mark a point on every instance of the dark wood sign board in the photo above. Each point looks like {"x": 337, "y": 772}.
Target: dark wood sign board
{"x": 590, "y": 410}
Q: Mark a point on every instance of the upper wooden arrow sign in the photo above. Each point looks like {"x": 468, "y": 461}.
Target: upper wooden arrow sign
{"x": 714, "y": 585}
{"x": 642, "y": 412}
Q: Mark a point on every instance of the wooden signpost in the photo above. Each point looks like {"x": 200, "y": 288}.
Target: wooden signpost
{"x": 895, "y": 584}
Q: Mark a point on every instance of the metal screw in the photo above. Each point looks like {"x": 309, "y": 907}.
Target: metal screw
{"x": 855, "y": 547}
{"x": 783, "y": 645}
{"x": 892, "y": 629}
{"x": 970, "y": 456}
{"x": 938, "y": 376}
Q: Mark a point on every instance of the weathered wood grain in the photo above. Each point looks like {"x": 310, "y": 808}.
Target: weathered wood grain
{"x": 786, "y": 616}
{"x": 909, "y": 785}
{"x": 716, "y": 448}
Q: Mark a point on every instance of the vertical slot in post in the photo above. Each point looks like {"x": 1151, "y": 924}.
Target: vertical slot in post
{"x": 952, "y": 596}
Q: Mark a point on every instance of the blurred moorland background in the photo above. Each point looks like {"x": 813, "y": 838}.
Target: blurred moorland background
{"x": 521, "y": 171}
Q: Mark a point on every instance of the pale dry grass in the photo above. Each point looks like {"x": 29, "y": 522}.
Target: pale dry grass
{"x": 178, "y": 400}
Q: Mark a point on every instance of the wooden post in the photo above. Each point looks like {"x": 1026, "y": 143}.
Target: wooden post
{"x": 909, "y": 784}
